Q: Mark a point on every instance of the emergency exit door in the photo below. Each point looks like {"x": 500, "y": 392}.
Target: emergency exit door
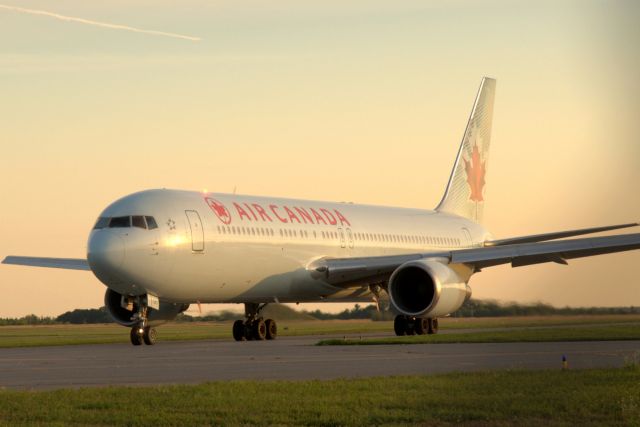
{"x": 197, "y": 233}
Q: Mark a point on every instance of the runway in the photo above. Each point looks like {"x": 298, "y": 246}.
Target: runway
{"x": 288, "y": 358}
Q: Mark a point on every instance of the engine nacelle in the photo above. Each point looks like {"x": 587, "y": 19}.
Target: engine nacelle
{"x": 426, "y": 288}
{"x": 123, "y": 308}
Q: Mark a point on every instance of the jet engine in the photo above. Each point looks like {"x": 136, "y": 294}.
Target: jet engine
{"x": 122, "y": 309}
{"x": 427, "y": 288}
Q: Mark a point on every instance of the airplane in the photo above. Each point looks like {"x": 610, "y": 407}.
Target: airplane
{"x": 157, "y": 251}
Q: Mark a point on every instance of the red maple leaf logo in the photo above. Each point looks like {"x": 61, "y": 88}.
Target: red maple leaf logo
{"x": 475, "y": 169}
{"x": 219, "y": 209}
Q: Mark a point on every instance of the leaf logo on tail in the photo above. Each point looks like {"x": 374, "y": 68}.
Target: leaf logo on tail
{"x": 219, "y": 209}
{"x": 475, "y": 169}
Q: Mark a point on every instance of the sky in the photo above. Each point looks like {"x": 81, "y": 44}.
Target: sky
{"x": 362, "y": 101}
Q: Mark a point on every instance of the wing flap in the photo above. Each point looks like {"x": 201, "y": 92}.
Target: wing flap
{"x": 64, "y": 263}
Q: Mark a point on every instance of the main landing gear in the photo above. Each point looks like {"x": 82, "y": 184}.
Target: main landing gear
{"x": 408, "y": 325}
{"x": 141, "y": 332}
{"x": 254, "y": 327}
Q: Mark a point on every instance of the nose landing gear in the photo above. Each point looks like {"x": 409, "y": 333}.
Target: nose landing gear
{"x": 141, "y": 332}
{"x": 254, "y": 327}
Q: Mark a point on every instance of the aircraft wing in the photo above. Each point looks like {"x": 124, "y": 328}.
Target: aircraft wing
{"x": 352, "y": 271}
{"x": 65, "y": 263}
{"x": 557, "y": 235}
{"x": 536, "y": 253}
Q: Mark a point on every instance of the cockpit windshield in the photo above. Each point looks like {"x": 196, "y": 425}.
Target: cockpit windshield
{"x": 139, "y": 221}
{"x": 102, "y": 222}
{"x": 120, "y": 222}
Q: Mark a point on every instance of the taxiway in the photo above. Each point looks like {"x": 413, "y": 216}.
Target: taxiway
{"x": 288, "y": 358}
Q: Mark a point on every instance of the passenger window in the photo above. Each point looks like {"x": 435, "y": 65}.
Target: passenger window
{"x": 138, "y": 221}
{"x": 102, "y": 222}
{"x": 151, "y": 222}
{"x": 120, "y": 222}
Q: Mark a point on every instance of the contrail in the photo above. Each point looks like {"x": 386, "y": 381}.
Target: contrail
{"x": 97, "y": 24}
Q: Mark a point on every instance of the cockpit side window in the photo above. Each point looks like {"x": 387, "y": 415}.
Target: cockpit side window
{"x": 120, "y": 222}
{"x": 102, "y": 222}
{"x": 138, "y": 221}
{"x": 151, "y": 222}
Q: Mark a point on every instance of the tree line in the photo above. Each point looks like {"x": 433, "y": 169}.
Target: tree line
{"x": 471, "y": 308}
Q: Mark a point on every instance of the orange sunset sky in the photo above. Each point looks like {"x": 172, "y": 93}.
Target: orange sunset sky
{"x": 362, "y": 101}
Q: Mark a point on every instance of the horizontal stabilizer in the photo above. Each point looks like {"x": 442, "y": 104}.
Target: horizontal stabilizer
{"x": 65, "y": 263}
{"x": 557, "y": 235}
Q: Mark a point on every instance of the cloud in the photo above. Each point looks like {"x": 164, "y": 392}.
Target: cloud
{"x": 97, "y": 24}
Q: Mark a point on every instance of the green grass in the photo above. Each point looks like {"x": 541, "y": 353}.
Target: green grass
{"x": 590, "y": 333}
{"x": 529, "y": 398}
{"x": 32, "y": 336}
{"x": 27, "y": 336}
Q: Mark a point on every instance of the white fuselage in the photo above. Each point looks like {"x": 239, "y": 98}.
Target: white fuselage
{"x": 211, "y": 247}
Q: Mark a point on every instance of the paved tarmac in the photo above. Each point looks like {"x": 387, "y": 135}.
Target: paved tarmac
{"x": 287, "y": 358}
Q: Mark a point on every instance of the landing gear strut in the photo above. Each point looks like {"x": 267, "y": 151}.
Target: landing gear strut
{"x": 409, "y": 325}
{"x": 254, "y": 327}
{"x": 141, "y": 332}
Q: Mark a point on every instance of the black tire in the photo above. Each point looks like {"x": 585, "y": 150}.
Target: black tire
{"x": 259, "y": 329}
{"x": 248, "y": 331}
{"x": 421, "y": 326}
{"x": 134, "y": 335}
{"x": 238, "y": 330}
{"x": 400, "y": 325}
{"x": 272, "y": 329}
{"x": 433, "y": 326}
{"x": 150, "y": 335}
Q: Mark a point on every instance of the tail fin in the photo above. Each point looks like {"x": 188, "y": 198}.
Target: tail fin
{"x": 464, "y": 195}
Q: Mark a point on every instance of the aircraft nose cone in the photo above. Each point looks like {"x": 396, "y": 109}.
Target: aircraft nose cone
{"x": 106, "y": 255}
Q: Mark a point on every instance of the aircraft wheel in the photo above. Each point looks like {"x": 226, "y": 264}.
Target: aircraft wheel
{"x": 433, "y": 326}
{"x": 248, "y": 331}
{"x": 238, "y": 330}
{"x": 259, "y": 329}
{"x": 150, "y": 335}
{"x": 136, "y": 338}
{"x": 400, "y": 325}
{"x": 421, "y": 325}
{"x": 411, "y": 325}
{"x": 272, "y": 329}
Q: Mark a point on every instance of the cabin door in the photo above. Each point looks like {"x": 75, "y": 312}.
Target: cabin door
{"x": 197, "y": 233}
{"x": 467, "y": 237}
{"x": 350, "y": 238}
{"x": 341, "y": 235}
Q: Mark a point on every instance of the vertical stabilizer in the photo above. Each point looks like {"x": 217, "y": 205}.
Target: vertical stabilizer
{"x": 464, "y": 195}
